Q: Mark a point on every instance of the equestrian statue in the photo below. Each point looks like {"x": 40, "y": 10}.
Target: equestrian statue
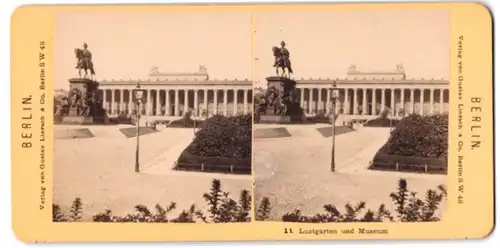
{"x": 84, "y": 63}
{"x": 282, "y": 60}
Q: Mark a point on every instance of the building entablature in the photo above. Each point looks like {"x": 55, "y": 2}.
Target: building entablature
{"x": 387, "y": 84}
{"x": 176, "y": 84}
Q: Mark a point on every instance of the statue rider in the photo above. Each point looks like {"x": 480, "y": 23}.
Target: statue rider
{"x": 86, "y": 53}
{"x": 283, "y": 51}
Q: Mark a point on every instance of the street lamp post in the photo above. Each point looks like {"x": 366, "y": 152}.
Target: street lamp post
{"x": 335, "y": 95}
{"x": 138, "y": 93}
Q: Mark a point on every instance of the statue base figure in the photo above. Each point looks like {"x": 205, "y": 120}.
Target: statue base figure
{"x": 280, "y": 105}
{"x": 84, "y": 107}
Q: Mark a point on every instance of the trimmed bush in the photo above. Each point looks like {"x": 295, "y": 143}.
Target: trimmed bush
{"x": 223, "y": 144}
{"x": 417, "y": 144}
{"x": 185, "y": 122}
{"x": 381, "y": 122}
{"x": 221, "y": 136}
{"x": 422, "y": 136}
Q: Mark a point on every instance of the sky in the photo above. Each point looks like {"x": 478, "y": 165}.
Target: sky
{"x": 125, "y": 45}
{"x": 322, "y": 43}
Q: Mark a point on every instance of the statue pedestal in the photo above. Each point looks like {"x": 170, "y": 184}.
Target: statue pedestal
{"x": 275, "y": 119}
{"x": 285, "y": 89}
{"x": 88, "y": 90}
{"x": 77, "y": 120}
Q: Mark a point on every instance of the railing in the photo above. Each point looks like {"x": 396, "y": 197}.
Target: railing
{"x": 422, "y": 168}
{"x": 234, "y": 169}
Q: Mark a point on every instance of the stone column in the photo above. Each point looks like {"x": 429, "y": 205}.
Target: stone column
{"x": 158, "y": 104}
{"x": 245, "y": 102}
{"x": 364, "y": 109}
{"x": 113, "y": 110}
{"x": 142, "y": 105}
{"x": 403, "y": 101}
{"x": 167, "y": 103}
{"x": 320, "y": 99}
{"x": 176, "y": 103}
{"x": 196, "y": 102}
{"x": 150, "y": 103}
{"x": 346, "y": 101}
{"x": 355, "y": 107}
{"x": 374, "y": 101}
{"x": 431, "y": 101}
{"x": 382, "y": 102}
{"x": 328, "y": 100}
{"x": 309, "y": 105}
{"x": 186, "y": 101}
{"x": 302, "y": 97}
{"x": 393, "y": 102}
{"x": 412, "y": 101}
{"x": 422, "y": 93}
{"x": 216, "y": 94}
{"x": 121, "y": 102}
{"x": 235, "y": 101}
{"x": 225, "y": 102}
{"x": 441, "y": 101}
{"x": 205, "y": 101}
{"x": 130, "y": 101}
{"x": 104, "y": 99}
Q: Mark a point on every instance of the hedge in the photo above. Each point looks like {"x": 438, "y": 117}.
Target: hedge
{"x": 381, "y": 122}
{"x": 417, "y": 143}
{"x": 222, "y": 136}
{"x": 221, "y": 141}
{"x": 187, "y": 123}
{"x": 421, "y": 136}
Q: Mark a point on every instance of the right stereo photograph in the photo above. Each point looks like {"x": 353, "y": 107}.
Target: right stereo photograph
{"x": 350, "y": 115}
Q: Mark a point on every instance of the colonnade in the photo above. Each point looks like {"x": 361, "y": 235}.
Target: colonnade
{"x": 372, "y": 101}
{"x": 176, "y": 102}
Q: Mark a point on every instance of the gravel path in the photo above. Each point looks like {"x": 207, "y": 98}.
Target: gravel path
{"x": 100, "y": 170}
{"x": 295, "y": 173}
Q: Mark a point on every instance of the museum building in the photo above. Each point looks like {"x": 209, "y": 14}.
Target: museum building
{"x": 363, "y": 94}
{"x": 173, "y": 94}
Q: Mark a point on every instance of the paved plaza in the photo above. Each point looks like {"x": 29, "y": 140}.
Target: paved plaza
{"x": 294, "y": 172}
{"x": 100, "y": 170}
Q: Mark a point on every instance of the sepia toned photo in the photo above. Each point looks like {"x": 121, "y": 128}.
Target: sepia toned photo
{"x": 152, "y": 117}
{"x": 258, "y": 122}
{"x": 351, "y": 115}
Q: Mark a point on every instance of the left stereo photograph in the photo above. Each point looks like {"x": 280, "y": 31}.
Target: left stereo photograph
{"x": 152, "y": 118}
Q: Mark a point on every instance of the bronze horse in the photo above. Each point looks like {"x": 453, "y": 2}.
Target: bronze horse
{"x": 84, "y": 62}
{"x": 282, "y": 61}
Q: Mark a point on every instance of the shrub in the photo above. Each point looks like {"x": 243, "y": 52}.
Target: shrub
{"x": 423, "y": 136}
{"x": 76, "y": 209}
{"x": 57, "y": 214}
{"x": 264, "y": 209}
{"x": 186, "y": 121}
{"x": 221, "y": 136}
{"x": 408, "y": 208}
{"x": 380, "y": 122}
{"x": 221, "y": 208}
